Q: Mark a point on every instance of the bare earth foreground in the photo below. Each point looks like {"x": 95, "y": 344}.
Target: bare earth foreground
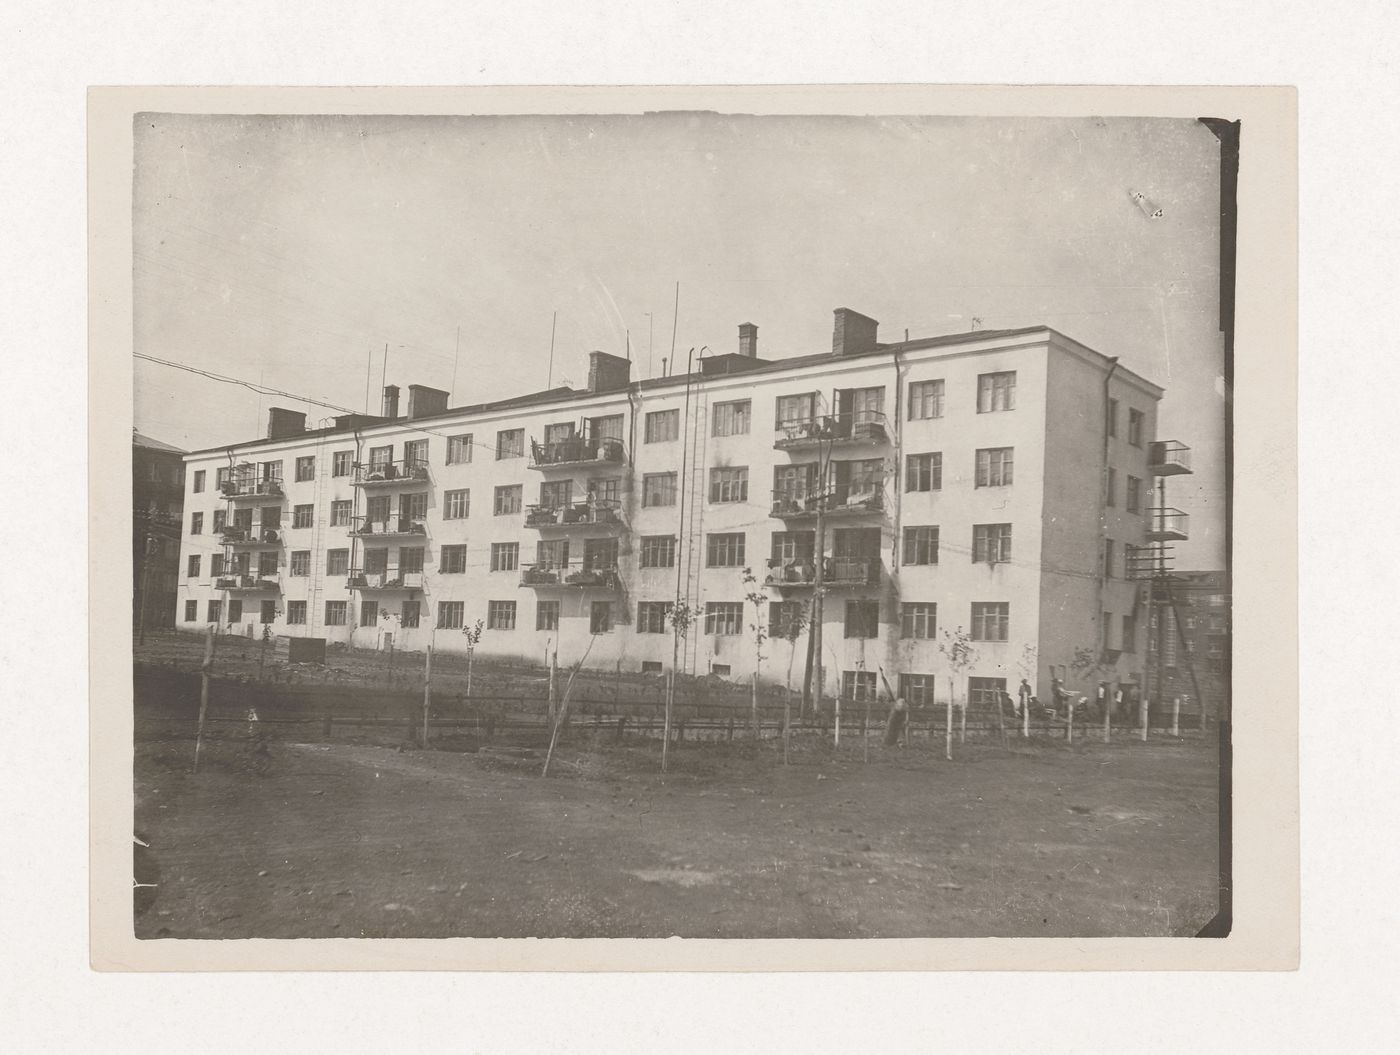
{"x": 349, "y": 840}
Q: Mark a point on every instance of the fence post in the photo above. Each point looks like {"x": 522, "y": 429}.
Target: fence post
{"x": 427, "y": 691}
{"x": 203, "y": 691}
{"x": 1176, "y": 716}
{"x": 948, "y": 732}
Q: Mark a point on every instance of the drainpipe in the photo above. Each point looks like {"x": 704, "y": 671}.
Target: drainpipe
{"x": 1103, "y": 508}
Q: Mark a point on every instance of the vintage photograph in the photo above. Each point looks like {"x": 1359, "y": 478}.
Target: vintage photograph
{"x": 681, "y": 523}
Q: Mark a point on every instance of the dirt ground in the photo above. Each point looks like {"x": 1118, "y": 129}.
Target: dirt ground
{"x": 357, "y": 839}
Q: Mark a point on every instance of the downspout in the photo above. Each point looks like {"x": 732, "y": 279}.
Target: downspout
{"x": 898, "y": 504}
{"x": 1103, "y": 513}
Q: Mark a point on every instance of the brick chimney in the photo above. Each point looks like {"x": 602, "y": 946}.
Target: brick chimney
{"x": 283, "y": 423}
{"x": 748, "y": 340}
{"x": 608, "y": 373}
{"x": 854, "y": 333}
{"x": 390, "y": 407}
{"x": 423, "y": 401}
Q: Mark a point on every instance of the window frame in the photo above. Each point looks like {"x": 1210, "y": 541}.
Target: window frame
{"x": 916, "y": 615}
{"x": 862, "y": 614}
{"x": 724, "y": 618}
{"x": 991, "y": 543}
{"x": 515, "y": 493}
{"x": 729, "y": 484}
{"x": 649, "y": 480}
{"x": 450, "y": 555}
{"x": 731, "y": 417}
{"x": 982, "y": 611}
{"x": 995, "y": 467}
{"x": 925, "y": 469}
{"x": 657, "y": 418}
{"x": 296, "y": 612}
{"x": 912, "y": 543}
{"x": 497, "y": 613}
{"x": 924, "y": 393}
{"x": 722, "y": 543}
{"x": 999, "y": 387}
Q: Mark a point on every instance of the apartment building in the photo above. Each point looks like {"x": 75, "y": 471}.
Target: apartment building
{"x": 993, "y": 481}
{"x": 1189, "y": 641}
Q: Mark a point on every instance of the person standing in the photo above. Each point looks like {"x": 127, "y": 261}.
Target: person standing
{"x": 1023, "y": 695}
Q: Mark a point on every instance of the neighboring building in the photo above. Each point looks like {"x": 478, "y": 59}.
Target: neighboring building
{"x": 994, "y": 481}
{"x": 157, "y": 497}
{"x": 1201, "y": 640}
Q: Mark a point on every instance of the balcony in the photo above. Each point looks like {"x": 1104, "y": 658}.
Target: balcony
{"x": 580, "y": 576}
{"x": 390, "y": 474}
{"x": 389, "y": 528}
{"x": 269, "y": 581}
{"x": 798, "y": 433}
{"x": 237, "y": 490}
{"x": 799, "y": 572}
{"x": 240, "y": 536}
{"x": 1168, "y": 458}
{"x": 575, "y": 452}
{"x": 852, "y": 500}
{"x": 600, "y": 513}
{"x": 1168, "y": 525}
{"x": 384, "y": 580}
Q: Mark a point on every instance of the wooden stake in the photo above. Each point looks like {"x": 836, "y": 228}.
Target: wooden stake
{"x": 787, "y": 723}
{"x": 1107, "y": 716}
{"x": 203, "y": 691}
{"x": 962, "y": 723}
{"x": 755, "y": 705}
{"x": 427, "y": 691}
{"x": 948, "y": 732}
{"x": 1176, "y": 716}
{"x": 1142, "y": 715}
{"x": 1069, "y": 729}
{"x": 865, "y": 729}
{"x": 1001, "y": 722}
{"x": 666, "y": 723}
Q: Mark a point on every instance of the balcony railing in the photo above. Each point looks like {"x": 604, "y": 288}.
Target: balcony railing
{"x": 249, "y": 581}
{"x": 386, "y": 474}
{"x": 582, "y": 576}
{"x": 800, "y": 572}
{"x": 1164, "y": 525}
{"x": 392, "y": 579}
{"x": 862, "y": 427}
{"x": 858, "y": 499}
{"x": 388, "y": 527}
{"x": 237, "y": 489}
{"x": 234, "y": 535}
{"x": 576, "y": 450}
{"x": 1168, "y": 458}
{"x": 576, "y": 514}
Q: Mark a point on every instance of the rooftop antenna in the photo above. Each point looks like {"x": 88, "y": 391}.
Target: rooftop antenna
{"x": 675, "y": 320}
{"x": 549, "y": 382}
{"x": 383, "y": 374}
{"x": 456, "y": 354}
{"x": 651, "y": 328}
{"x": 369, "y": 367}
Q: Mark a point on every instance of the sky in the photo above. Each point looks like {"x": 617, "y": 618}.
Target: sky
{"x": 290, "y": 251}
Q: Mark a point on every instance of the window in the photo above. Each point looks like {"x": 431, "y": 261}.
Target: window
{"x": 552, "y": 553}
{"x": 192, "y": 571}
{"x": 985, "y": 692}
{"x": 658, "y": 489}
{"x": 925, "y": 400}
{"x": 301, "y": 516}
{"x": 198, "y": 481}
{"x": 414, "y": 506}
{"x": 1133, "y": 498}
{"x": 220, "y": 520}
{"x": 410, "y": 613}
{"x": 1135, "y": 418}
{"x": 196, "y": 523}
{"x": 923, "y": 472}
{"x": 337, "y": 562}
{"x": 731, "y": 419}
{"x": 500, "y": 615}
{"x": 505, "y": 556}
{"x": 556, "y": 494}
{"x": 451, "y": 614}
{"x": 651, "y": 666}
{"x": 216, "y": 565}
{"x": 724, "y": 551}
{"x": 917, "y": 689}
{"x": 369, "y": 613}
{"x": 862, "y": 618}
{"x": 658, "y": 551}
{"x": 267, "y": 563}
{"x": 921, "y": 545}
{"x": 794, "y": 410}
{"x": 270, "y": 470}
{"x": 994, "y": 466}
{"x": 341, "y": 462}
{"x": 191, "y": 611}
{"x": 452, "y": 560}
{"x": 558, "y": 432}
{"x": 858, "y": 685}
{"x": 379, "y": 457}
{"x": 296, "y": 613}
{"x": 651, "y": 616}
{"x": 1110, "y": 488}
{"x": 600, "y": 619}
{"x": 989, "y": 620}
{"x": 410, "y": 559}
{"x": 459, "y": 449}
{"x": 996, "y": 392}
{"x": 415, "y": 452}
{"x": 508, "y": 500}
{"x": 720, "y": 670}
{"x": 1108, "y": 558}
{"x": 223, "y": 476}
{"x": 306, "y": 468}
{"x": 729, "y": 485}
{"x": 215, "y": 612}
{"x": 786, "y": 619}
{"x": 599, "y": 554}
{"x": 794, "y": 545}
{"x": 299, "y": 564}
{"x": 918, "y": 620}
{"x": 340, "y": 513}
{"x": 270, "y": 516}
{"x": 547, "y": 615}
{"x": 335, "y": 613}
{"x": 1129, "y": 634}
{"x": 991, "y": 543}
{"x": 662, "y": 426}
{"x": 456, "y": 505}
{"x": 1112, "y": 415}
{"x": 724, "y": 618}
{"x": 605, "y": 489}
{"x": 510, "y": 443}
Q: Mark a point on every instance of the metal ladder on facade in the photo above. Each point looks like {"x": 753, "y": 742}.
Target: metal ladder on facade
{"x": 694, "y": 527}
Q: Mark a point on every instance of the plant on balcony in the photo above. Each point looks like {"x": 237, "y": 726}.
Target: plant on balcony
{"x": 539, "y": 577}
{"x": 540, "y": 516}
